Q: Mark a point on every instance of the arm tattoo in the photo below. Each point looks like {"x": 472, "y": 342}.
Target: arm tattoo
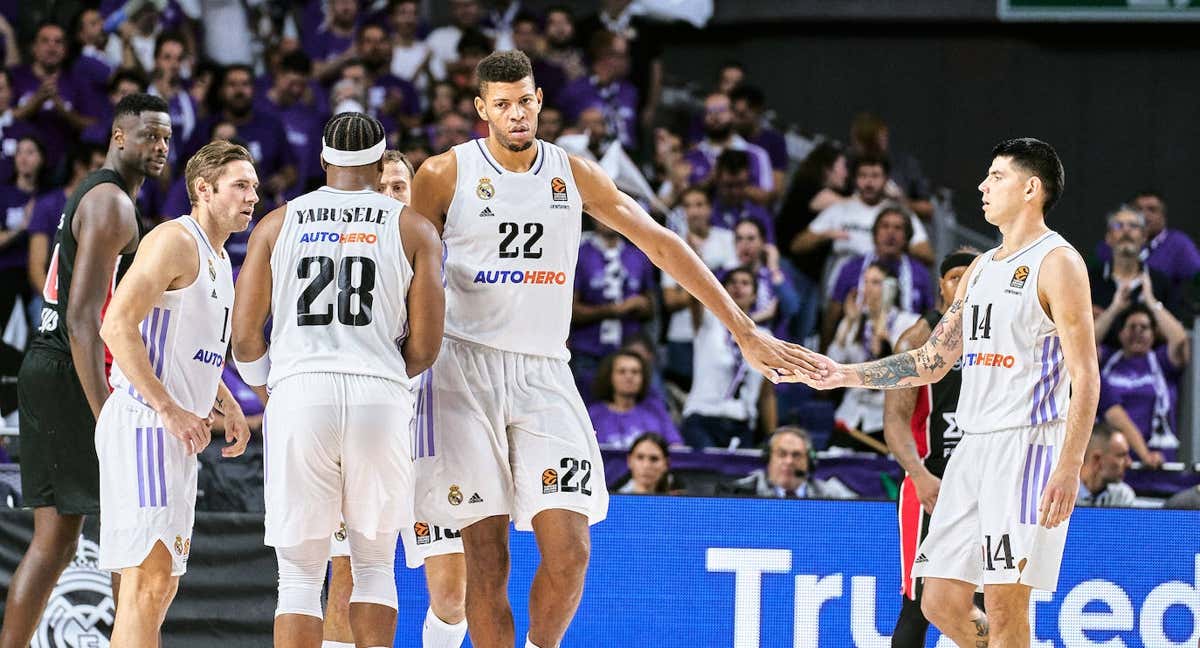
{"x": 930, "y": 364}
{"x": 948, "y": 331}
{"x": 888, "y": 372}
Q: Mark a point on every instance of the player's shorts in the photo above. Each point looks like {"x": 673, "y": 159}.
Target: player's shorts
{"x": 147, "y": 487}
{"x": 503, "y": 433}
{"x": 421, "y": 540}
{"x": 914, "y": 526}
{"x": 985, "y": 528}
{"x": 58, "y": 451}
{"x": 336, "y": 447}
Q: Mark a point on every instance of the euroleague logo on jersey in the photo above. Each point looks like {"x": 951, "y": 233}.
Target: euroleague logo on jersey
{"x": 558, "y": 189}
{"x": 1019, "y": 277}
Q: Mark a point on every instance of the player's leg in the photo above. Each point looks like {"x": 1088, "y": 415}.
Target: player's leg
{"x": 911, "y": 625}
{"x": 489, "y": 614}
{"x": 55, "y": 538}
{"x": 337, "y": 632}
{"x": 446, "y": 620}
{"x": 301, "y": 577}
{"x": 373, "y": 601}
{"x": 1008, "y": 615}
{"x": 564, "y": 543}
{"x": 146, "y": 593}
{"x": 950, "y": 605}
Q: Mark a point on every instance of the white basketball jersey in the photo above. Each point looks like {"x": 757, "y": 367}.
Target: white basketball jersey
{"x": 340, "y": 283}
{"x": 187, "y": 331}
{"x": 1012, "y": 365}
{"x": 512, "y": 240}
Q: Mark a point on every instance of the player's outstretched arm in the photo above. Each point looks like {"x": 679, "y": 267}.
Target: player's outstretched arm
{"x": 898, "y": 408}
{"x": 166, "y": 258}
{"x": 426, "y": 294}
{"x": 252, "y": 300}
{"x": 1062, "y": 287}
{"x": 106, "y": 223}
{"x": 775, "y": 359}
{"x": 433, "y": 188}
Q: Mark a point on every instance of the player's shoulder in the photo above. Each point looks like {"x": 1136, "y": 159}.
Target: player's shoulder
{"x": 442, "y": 165}
{"x": 416, "y": 228}
{"x": 268, "y": 228}
{"x": 106, "y": 198}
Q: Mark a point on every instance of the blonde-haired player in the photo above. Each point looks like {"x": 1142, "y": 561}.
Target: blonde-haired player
{"x": 168, "y": 327}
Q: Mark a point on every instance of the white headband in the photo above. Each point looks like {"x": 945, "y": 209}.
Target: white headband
{"x": 353, "y": 158}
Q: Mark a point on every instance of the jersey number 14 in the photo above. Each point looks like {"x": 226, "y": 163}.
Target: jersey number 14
{"x": 355, "y": 278}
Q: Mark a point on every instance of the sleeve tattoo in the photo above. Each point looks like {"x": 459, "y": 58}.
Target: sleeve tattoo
{"x": 890, "y": 372}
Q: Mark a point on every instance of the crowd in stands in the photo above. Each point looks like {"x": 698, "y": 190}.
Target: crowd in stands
{"x": 821, "y": 243}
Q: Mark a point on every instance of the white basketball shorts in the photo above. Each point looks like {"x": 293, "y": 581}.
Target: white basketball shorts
{"x": 503, "y": 433}
{"x": 147, "y": 487}
{"x": 984, "y": 529}
{"x": 336, "y": 447}
{"x": 422, "y": 540}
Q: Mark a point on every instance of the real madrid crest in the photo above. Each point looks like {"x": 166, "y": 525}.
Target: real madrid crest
{"x": 455, "y": 496}
{"x": 212, "y": 272}
{"x": 484, "y": 189}
{"x": 179, "y": 545}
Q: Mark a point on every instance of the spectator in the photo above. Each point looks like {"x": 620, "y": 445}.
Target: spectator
{"x": 732, "y": 202}
{"x": 728, "y": 401}
{"x": 715, "y": 247}
{"x": 560, "y": 43}
{"x": 12, "y": 129}
{"x": 550, "y": 123}
{"x": 819, "y": 183}
{"x": 1143, "y": 378}
{"x": 122, "y": 84}
{"x": 892, "y": 231}
{"x": 1169, "y": 251}
{"x": 290, "y": 97}
{"x": 443, "y": 41}
{"x": 48, "y": 97}
{"x": 410, "y": 54}
{"x": 643, "y": 345}
{"x": 16, "y": 200}
{"x": 649, "y": 461}
{"x": 778, "y": 299}
{"x": 622, "y": 18}
{"x": 670, "y": 170}
{"x": 1116, "y": 283}
{"x": 387, "y": 94}
{"x": 332, "y": 45}
{"x": 451, "y": 131}
{"x": 500, "y": 20}
{"x": 416, "y": 149}
{"x": 906, "y": 183}
{"x": 719, "y": 136}
{"x": 847, "y": 224}
{"x": 166, "y": 81}
{"x": 869, "y": 329}
{"x": 473, "y": 46}
{"x": 607, "y": 88}
{"x": 613, "y": 280}
{"x": 92, "y": 66}
{"x": 48, "y": 210}
{"x": 135, "y": 39}
{"x": 233, "y": 43}
{"x": 1101, "y": 479}
{"x": 526, "y": 35}
{"x": 749, "y": 120}
{"x": 624, "y": 409}
{"x": 731, "y": 75}
{"x": 789, "y": 471}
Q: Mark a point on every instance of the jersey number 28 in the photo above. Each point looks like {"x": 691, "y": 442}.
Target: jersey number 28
{"x": 351, "y": 284}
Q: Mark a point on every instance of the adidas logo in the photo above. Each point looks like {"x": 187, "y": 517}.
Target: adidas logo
{"x": 921, "y": 559}
{"x": 487, "y": 211}
{"x": 475, "y": 499}
{"x": 214, "y": 295}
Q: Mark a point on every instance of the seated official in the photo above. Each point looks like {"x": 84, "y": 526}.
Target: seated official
{"x": 788, "y": 473}
{"x": 649, "y": 463}
{"x": 1101, "y": 480}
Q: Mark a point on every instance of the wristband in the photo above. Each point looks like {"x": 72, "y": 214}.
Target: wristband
{"x": 254, "y": 373}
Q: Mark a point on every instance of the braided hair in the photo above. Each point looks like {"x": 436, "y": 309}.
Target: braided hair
{"x": 353, "y": 131}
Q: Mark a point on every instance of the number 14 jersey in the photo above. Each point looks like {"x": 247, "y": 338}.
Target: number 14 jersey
{"x": 512, "y": 241}
{"x": 1012, "y": 365}
{"x": 340, "y": 282}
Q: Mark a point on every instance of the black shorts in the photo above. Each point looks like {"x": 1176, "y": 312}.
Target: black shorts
{"x": 58, "y": 437}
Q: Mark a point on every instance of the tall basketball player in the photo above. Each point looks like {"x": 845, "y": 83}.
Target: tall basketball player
{"x": 438, "y": 549}
{"x": 1021, "y": 324}
{"x": 168, "y": 328}
{"x": 352, "y": 281}
{"x": 507, "y": 436}
{"x": 63, "y": 381}
{"x": 921, "y": 430}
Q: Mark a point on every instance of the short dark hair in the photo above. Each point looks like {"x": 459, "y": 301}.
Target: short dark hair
{"x": 602, "y": 387}
{"x": 733, "y": 161}
{"x": 168, "y": 37}
{"x": 758, "y": 226}
{"x": 525, "y": 16}
{"x": 473, "y": 40}
{"x": 740, "y": 270}
{"x": 138, "y": 103}
{"x": 370, "y": 25}
{"x": 883, "y": 267}
{"x": 562, "y": 9}
{"x": 1036, "y": 158}
{"x": 507, "y": 66}
{"x": 353, "y": 131}
{"x": 37, "y": 31}
{"x": 1134, "y": 309}
{"x": 1148, "y": 191}
{"x": 695, "y": 189}
{"x": 127, "y": 75}
{"x": 753, "y": 96}
{"x": 899, "y": 211}
{"x": 600, "y": 44}
{"x": 392, "y": 156}
{"x": 296, "y": 61}
{"x": 872, "y": 160}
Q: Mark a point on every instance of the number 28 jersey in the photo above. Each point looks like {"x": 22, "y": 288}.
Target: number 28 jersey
{"x": 339, "y": 286}
{"x": 1012, "y": 365}
{"x": 512, "y": 242}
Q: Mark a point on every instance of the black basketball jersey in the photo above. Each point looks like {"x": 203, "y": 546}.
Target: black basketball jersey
{"x": 934, "y": 423}
{"x": 56, "y": 294}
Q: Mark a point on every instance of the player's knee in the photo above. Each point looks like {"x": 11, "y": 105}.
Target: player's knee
{"x": 301, "y": 576}
{"x": 153, "y": 591}
{"x": 569, "y": 560}
{"x": 1004, "y": 616}
{"x": 372, "y": 562}
{"x": 449, "y": 604}
{"x": 943, "y": 606}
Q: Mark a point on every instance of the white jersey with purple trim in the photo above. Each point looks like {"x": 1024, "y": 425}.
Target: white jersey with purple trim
{"x": 512, "y": 241}
{"x": 187, "y": 331}
{"x": 339, "y": 287}
{"x": 1012, "y": 365}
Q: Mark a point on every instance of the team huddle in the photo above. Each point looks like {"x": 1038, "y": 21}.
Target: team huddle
{"x": 408, "y": 399}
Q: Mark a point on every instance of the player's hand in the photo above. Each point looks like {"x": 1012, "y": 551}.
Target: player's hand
{"x": 1148, "y": 297}
{"x": 1153, "y": 460}
{"x": 928, "y": 486}
{"x": 781, "y": 361}
{"x": 237, "y": 433}
{"x": 1058, "y": 499}
{"x": 192, "y": 430}
{"x": 837, "y": 235}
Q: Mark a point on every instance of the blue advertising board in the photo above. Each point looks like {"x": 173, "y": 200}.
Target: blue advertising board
{"x": 747, "y": 573}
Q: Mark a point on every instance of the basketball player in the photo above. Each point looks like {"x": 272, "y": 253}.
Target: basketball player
{"x": 440, "y": 550}
{"x": 509, "y": 436}
{"x": 352, "y": 282}
{"x": 921, "y": 431}
{"x": 1021, "y": 324}
{"x": 168, "y": 328}
{"x": 63, "y": 381}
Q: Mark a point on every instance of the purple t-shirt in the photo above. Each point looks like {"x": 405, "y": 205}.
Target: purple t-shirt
{"x": 1129, "y": 382}
{"x": 604, "y": 276}
{"x": 182, "y": 109}
{"x": 1172, "y": 253}
{"x": 621, "y": 428}
{"x": 55, "y": 131}
{"x": 12, "y": 131}
{"x": 771, "y": 141}
{"x": 47, "y": 212}
{"x": 92, "y": 76}
{"x": 12, "y": 209}
{"x": 263, "y": 84}
{"x": 703, "y": 158}
{"x": 99, "y": 131}
{"x": 377, "y": 94}
{"x": 728, "y": 216}
{"x": 303, "y": 126}
{"x": 323, "y": 44}
{"x": 618, "y": 100}
{"x": 266, "y": 139}
{"x": 916, "y": 287}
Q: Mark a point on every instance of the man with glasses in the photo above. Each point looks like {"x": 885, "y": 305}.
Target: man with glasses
{"x": 1124, "y": 278}
{"x": 1169, "y": 251}
{"x": 788, "y": 473}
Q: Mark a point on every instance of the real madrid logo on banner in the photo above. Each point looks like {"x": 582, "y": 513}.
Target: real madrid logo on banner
{"x": 484, "y": 189}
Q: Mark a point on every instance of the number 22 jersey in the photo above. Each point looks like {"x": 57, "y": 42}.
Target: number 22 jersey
{"x": 512, "y": 242}
{"x": 340, "y": 281}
